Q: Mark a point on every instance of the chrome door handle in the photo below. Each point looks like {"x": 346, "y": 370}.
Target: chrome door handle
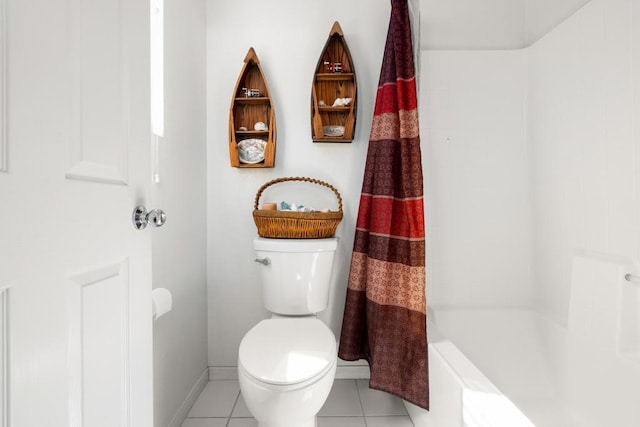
{"x": 142, "y": 218}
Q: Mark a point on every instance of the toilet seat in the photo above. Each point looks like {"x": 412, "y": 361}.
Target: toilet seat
{"x": 288, "y": 351}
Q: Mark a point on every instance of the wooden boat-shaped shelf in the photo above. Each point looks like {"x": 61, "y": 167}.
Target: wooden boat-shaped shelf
{"x": 251, "y": 104}
{"x": 334, "y": 92}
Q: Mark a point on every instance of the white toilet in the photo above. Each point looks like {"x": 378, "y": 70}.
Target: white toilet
{"x": 287, "y": 364}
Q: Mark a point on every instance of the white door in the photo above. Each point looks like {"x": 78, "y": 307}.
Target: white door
{"x": 75, "y": 307}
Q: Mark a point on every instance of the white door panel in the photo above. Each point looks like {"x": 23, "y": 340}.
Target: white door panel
{"x": 99, "y": 94}
{"x": 100, "y": 346}
{"x": 78, "y": 273}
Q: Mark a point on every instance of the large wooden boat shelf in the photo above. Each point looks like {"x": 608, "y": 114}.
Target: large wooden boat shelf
{"x": 247, "y": 110}
{"x": 330, "y": 84}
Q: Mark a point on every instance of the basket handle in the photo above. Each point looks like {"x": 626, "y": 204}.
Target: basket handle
{"x": 299, "y": 178}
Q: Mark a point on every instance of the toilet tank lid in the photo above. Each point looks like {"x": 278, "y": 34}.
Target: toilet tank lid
{"x": 295, "y": 245}
{"x": 288, "y": 351}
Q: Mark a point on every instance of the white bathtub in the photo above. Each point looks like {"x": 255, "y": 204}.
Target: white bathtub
{"x": 512, "y": 368}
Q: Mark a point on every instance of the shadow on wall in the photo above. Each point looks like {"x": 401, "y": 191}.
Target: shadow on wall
{"x": 332, "y": 316}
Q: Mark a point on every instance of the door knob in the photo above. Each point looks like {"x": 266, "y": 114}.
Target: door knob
{"x": 142, "y": 218}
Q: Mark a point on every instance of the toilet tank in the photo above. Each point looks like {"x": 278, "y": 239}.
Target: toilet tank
{"x": 297, "y": 275}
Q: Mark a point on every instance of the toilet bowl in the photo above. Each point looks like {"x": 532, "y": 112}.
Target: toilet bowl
{"x": 287, "y": 364}
{"x": 286, "y": 367}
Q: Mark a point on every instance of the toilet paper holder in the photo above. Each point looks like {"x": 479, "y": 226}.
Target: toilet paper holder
{"x": 162, "y": 302}
{"x": 633, "y": 278}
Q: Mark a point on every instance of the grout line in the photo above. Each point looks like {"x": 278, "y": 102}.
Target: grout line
{"x": 364, "y": 416}
{"x": 233, "y": 408}
{"x": 355, "y": 417}
{"x": 228, "y": 419}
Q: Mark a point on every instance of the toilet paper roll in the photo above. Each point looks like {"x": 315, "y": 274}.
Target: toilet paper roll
{"x": 162, "y": 302}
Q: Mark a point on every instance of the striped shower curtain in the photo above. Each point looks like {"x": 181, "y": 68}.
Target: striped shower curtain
{"x": 385, "y": 313}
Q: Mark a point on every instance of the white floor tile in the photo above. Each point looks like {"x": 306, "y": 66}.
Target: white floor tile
{"x": 344, "y": 408}
{"x": 341, "y": 422}
{"x": 241, "y": 410}
{"x": 205, "y": 422}
{"x": 343, "y": 400}
{"x": 242, "y": 422}
{"x": 378, "y": 403}
{"x": 216, "y": 400}
{"x": 389, "y": 421}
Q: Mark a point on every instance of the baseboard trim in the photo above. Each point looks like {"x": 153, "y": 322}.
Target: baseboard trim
{"x": 197, "y": 388}
{"x": 225, "y": 373}
{"x": 352, "y": 372}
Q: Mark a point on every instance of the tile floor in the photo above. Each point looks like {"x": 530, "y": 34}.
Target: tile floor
{"x": 350, "y": 404}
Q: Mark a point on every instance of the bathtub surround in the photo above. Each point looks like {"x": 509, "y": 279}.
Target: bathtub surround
{"x": 472, "y": 110}
{"x": 583, "y": 114}
{"x": 531, "y": 156}
{"x": 559, "y": 119}
{"x": 384, "y": 320}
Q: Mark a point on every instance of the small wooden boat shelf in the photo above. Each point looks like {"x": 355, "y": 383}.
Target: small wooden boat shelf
{"x": 251, "y": 104}
{"x": 334, "y": 92}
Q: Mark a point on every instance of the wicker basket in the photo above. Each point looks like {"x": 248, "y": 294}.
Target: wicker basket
{"x": 296, "y": 225}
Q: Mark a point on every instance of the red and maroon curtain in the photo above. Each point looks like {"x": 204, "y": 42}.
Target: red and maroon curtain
{"x": 385, "y": 313}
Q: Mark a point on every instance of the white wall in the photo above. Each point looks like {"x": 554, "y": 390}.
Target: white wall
{"x": 472, "y": 24}
{"x": 490, "y": 24}
{"x": 179, "y": 247}
{"x": 288, "y": 37}
{"x": 541, "y": 16}
{"x": 476, "y": 178}
{"x": 583, "y": 97}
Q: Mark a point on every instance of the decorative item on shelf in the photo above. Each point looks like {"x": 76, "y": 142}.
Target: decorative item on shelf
{"x": 333, "y": 131}
{"x": 278, "y": 224}
{"x": 260, "y": 126}
{"x": 251, "y": 151}
{"x": 333, "y": 67}
{"x": 334, "y": 91}
{"x": 252, "y": 121}
{"x": 251, "y": 93}
{"x": 341, "y": 102}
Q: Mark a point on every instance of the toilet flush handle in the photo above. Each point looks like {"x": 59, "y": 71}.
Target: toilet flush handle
{"x": 263, "y": 261}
